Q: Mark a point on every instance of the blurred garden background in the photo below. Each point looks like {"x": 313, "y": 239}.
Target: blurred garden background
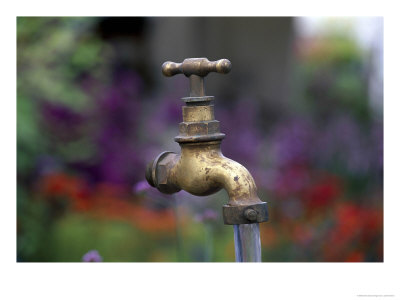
{"x": 302, "y": 109}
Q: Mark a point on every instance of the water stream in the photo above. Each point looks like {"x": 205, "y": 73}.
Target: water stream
{"x": 247, "y": 242}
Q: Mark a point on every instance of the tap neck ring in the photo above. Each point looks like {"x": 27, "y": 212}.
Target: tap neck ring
{"x": 198, "y": 101}
{"x": 181, "y": 139}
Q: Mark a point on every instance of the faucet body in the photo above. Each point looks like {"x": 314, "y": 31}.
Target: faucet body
{"x": 201, "y": 169}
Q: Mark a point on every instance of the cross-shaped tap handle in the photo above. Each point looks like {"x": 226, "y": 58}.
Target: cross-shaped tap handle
{"x": 196, "y": 69}
{"x": 196, "y": 66}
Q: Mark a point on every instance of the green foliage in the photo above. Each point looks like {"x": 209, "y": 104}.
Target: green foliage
{"x": 333, "y": 73}
{"x": 29, "y": 143}
{"x": 53, "y": 53}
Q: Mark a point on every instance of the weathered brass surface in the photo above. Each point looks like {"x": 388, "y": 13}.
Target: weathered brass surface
{"x": 200, "y": 168}
{"x": 198, "y": 113}
{"x": 196, "y": 66}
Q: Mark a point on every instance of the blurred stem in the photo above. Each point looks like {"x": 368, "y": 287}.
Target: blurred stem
{"x": 179, "y": 250}
{"x": 208, "y": 247}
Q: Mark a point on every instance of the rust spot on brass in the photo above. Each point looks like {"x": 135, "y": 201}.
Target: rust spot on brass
{"x": 201, "y": 169}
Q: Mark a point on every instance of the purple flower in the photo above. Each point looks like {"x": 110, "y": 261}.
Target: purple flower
{"x": 343, "y": 141}
{"x": 376, "y": 143}
{"x": 166, "y": 112}
{"x": 239, "y": 125}
{"x": 290, "y": 143}
{"x": 92, "y": 256}
{"x": 117, "y": 138}
{"x": 60, "y": 122}
{"x": 58, "y": 114}
{"x": 46, "y": 164}
{"x": 141, "y": 186}
{"x": 207, "y": 215}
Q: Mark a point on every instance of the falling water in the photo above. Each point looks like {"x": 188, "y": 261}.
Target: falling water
{"x": 247, "y": 242}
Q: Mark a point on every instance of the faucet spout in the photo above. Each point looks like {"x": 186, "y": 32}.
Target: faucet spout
{"x": 237, "y": 182}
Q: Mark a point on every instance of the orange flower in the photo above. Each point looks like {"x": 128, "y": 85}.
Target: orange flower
{"x": 268, "y": 236}
{"x": 107, "y": 201}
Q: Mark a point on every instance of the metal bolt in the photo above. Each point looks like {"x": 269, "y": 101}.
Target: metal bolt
{"x": 250, "y": 214}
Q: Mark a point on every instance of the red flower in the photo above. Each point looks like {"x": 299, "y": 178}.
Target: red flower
{"x": 62, "y": 185}
{"x": 322, "y": 193}
{"x": 355, "y": 256}
{"x": 357, "y": 229}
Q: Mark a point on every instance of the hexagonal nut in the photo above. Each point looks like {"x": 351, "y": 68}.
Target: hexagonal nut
{"x": 199, "y": 128}
{"x": 163, "y": 166}
{"x": 213, "y": 127}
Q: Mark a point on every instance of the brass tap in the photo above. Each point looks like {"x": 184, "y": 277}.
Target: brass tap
{"x": 201, "y": 169}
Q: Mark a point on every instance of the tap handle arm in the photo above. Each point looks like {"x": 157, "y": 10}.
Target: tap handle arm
{"x": 196, "y": 66}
